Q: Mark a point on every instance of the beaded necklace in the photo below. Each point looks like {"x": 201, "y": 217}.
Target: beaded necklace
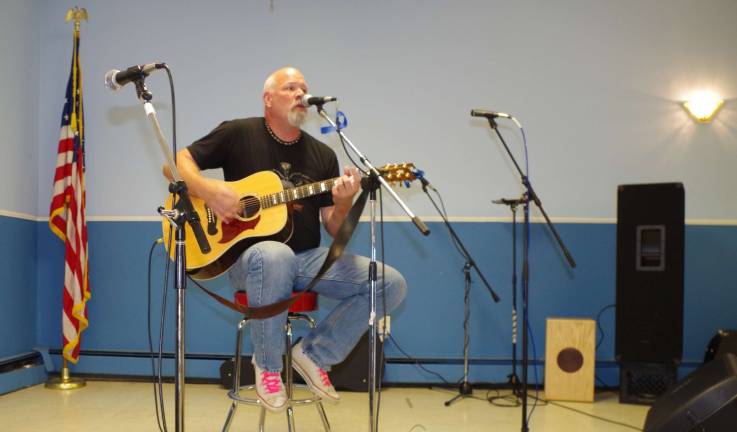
{"x": 279, "y": 140}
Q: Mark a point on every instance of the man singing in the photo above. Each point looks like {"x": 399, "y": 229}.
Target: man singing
{"x": 269, "y": 271}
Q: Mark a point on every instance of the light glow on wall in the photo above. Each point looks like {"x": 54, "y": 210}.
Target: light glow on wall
{"x": 703, "y": 105}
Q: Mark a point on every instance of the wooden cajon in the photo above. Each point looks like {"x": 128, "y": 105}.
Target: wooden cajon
{"x": 570, "y": 351}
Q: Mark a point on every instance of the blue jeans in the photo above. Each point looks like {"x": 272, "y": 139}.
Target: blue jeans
{"x": 269, "y": 271}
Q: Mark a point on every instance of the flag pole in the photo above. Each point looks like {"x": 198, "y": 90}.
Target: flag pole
{"x": 65, "y": 381}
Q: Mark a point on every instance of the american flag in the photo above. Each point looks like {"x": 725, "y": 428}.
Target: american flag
{"x": 67, "y": 213}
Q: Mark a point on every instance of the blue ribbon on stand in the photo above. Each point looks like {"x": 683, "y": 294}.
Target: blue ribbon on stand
{"x": 340, "y": 120}
{"x": 420, "y": 174}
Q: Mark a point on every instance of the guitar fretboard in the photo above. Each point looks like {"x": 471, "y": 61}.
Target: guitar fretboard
{"x": 296, "y": 193}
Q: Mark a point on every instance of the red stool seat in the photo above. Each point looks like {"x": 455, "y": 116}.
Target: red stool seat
{"x": 306, "y": 303}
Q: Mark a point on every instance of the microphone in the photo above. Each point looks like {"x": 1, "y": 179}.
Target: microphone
{"x": 509, "y": 202}
{"x": 420, "y": 175}
{"x": 488, "y": 114}
{"x": 426, "y": 184}
{"x": 116, "y": 79}
{"x": 308, "y": 100}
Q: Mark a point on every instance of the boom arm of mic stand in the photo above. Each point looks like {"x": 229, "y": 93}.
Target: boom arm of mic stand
{"x": 464, "y": 251}
{"x": 533, "y": 196}
{"x": 415, "y": 219}
{"x": 178, "y": 186}
{"x": 539, "y": 205}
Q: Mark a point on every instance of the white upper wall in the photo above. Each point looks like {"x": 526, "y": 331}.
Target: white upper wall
{"x": 19, "y": 49}
{"x": 594, "y": 83}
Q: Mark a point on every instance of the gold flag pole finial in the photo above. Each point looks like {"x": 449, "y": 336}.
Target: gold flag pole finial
{"x": 77, "y": 15}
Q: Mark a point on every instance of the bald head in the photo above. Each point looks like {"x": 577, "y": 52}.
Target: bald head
{"x": 283, "y": 91}
{"x": 280, "y": 76}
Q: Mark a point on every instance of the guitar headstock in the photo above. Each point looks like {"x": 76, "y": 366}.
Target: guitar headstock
{"x": 399, "y": 173}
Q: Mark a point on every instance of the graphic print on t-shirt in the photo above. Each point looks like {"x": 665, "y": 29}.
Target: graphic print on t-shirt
{"x": 291, "y": 179}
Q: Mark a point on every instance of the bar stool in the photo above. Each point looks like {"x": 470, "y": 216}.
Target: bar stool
{"x": 306, "y": 303}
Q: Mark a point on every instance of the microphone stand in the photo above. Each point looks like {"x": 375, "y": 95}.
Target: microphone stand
{"x": 465, "y": 389}
{"x": 182, "y": 213}
{"x": 513, "y": 378}
{"x": 528, "y": 196}
{"x": 374, "y": 182}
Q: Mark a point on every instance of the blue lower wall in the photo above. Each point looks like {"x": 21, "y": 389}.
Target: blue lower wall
{"x": 18, "y": 286}
{"x": 429, "y": 325}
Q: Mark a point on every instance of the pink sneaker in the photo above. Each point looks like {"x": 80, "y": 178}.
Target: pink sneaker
{"x": 315, "y": 377}
{"x": 269, "y": 389}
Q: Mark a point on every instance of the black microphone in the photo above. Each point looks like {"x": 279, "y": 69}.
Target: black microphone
{"x": 509, "y": 202}
{"x": 420, "y": 175}
{"x": 116, "y": 79}
{"x": 308, "y": 100}
{"x": 488, "y": 114}
{"x": 426, "y": 184}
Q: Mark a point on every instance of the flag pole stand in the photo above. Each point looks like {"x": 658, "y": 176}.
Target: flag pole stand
{"x": 64, "y": 381}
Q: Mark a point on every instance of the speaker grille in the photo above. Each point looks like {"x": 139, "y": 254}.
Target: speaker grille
{"x": 642, "y": 383}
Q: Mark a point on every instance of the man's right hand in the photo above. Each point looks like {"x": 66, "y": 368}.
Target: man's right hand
{"x": 216, "y": 193}
{"x": 222, "y": 199}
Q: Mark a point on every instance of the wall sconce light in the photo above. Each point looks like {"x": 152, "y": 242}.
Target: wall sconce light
{"x": 703, "y": 106}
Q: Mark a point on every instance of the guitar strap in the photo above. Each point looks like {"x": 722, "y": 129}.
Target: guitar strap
{"x": 336, "y": 250}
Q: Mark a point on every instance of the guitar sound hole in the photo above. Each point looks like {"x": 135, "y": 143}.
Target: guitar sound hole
{"x": 250, "y": 207}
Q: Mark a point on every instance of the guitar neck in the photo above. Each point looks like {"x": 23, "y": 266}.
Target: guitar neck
{"x": 295, "y": 193}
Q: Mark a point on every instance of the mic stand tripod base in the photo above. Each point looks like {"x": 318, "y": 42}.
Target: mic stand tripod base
{"x": 513, "y": 381}
{"x": 464, "y": 390}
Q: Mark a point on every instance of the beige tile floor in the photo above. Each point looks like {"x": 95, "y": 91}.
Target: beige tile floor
{"x": 104, "y": 406}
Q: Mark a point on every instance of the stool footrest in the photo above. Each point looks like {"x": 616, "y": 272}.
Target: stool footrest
{"x": 235, "y": 396}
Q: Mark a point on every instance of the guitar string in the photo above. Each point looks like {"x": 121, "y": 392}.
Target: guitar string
{"x": 252, "y": 203}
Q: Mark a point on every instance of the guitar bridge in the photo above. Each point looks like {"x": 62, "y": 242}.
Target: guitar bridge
{"x": 212, "y": 227}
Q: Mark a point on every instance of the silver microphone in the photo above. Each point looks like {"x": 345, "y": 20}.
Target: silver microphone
{"x": 116, "y": 79}
{"x": 488, "y": 114}
{"x": 308, "y": 100}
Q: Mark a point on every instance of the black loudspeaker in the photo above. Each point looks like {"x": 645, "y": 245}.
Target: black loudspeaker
{"x": 705, "y": 401}
{"x": 725, "y": 341}
{"x": 650, "y": 234}
{"x": 247, "y": 378}
{"x": 352, "y": 373}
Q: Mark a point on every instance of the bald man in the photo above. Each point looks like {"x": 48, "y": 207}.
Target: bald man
{"x": 269, "y": 271}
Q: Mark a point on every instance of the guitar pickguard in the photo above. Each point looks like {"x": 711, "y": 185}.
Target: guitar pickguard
{"x": 233, "y": 228}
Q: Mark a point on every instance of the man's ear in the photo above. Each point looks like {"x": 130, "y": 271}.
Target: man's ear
{"x": 267, "y": 97}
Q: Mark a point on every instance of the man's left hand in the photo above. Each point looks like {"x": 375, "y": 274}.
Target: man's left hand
{"x": 346, "y": 187}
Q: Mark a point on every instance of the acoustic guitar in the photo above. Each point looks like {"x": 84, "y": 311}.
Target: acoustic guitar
{"x": 263, "y": 215}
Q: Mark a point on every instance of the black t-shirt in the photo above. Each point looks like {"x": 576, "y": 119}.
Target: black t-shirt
{"x": 243, "y": 147}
